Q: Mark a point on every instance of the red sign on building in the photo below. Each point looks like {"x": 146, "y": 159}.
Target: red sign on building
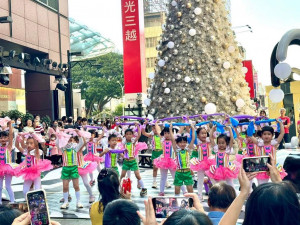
{"x": 133, "y": 46}
{"x": 249, "y": 76}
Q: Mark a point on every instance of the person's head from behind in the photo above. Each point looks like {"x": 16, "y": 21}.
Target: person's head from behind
{"x": 112, "y": 140}
{"x": 272, "y": 203}
{"x": 282, "y": 112}
{"x": 191, "y": 217}
{"x": 222, "y": 141}
{"x": 220, "y": 197}
{"x": 70, "y": 120}
{"x": 267, "y": 133}
{"x": 79, "y": 118}
{"x": 121, "y": 212}
{"x": 181, "y": 141}
{"x": 93, "y": 134}
{"x": 108, "y": 186}
{"x": 8, "y": 215}
{"x": 128, "y": 134}
{"x": 64, "y": 119}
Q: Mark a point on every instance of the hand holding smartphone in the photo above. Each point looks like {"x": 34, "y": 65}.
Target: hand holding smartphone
{"x": 256, "y": 164}
{"x": 165, "y": 206}
{"x": 38, "y": 207}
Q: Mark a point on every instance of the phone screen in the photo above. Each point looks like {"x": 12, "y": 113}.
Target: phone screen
{"x": 164, "y": 207}
{"x": 38, "y": 208}
{"x": 256, "y": 164}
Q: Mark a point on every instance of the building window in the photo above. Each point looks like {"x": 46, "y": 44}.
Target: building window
{"x": 151, "y": 42}
{"x": 150, "y": 62}
{"x": 153, "y": 22}
{"x": 53, "y": 4}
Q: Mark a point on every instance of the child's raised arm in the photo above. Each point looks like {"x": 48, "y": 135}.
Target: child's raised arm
{"x": 191, "y": 145}
{"x": 137, "y": 124}
{"x": 148, "y": 135}
{"x": 211, "y": 136}
{"x": 172, "y": 137}
{"x": 231, "y": 137}
{"x": 280, "y": 137}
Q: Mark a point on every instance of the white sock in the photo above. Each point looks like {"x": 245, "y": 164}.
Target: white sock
{"x": 8, "y": 188}
{"x": 99, "y": 167}
{"x": 200, "y": 175}
{"x": 141, "y": 183}
{"x": 183, "y": 189}
{"x": 77, "y": 194}
{"x": 26, "y": 187}
{"x": 86, "y": 184}
{"x": 1, "y": 188}
{"x": 91, "y": 176}
{"x": 154, "y": 179}
{"x": 128, "y": 174}
{"x": 163, "y": 179}
{"x": 66, "y": 195}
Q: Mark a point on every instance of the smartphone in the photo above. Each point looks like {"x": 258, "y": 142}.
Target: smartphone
{"x": 165, "y": 206}
{"x": 38, "y": 207}
{"x": 256, "y": 164}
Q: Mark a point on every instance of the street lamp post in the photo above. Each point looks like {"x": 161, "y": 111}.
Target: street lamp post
{"x": 123, "y": 103}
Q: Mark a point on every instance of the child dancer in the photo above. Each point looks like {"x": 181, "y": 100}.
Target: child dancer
{"x": 223, "y": 170}
{"x": 7, "y": 168}
{"x": 70, "y": 169}
{"x": 183, "y": 173}
{"x": 111, "y": 153}
{"x": 157, "y": 148}
{"x": 166, "y": 161}
{"x": 84, "y": 168}
{"x": 267, "y": 146}
{"x": 53, "y": 151}
{"x": 201, "y": 163}
{"x": 32, "y": 166}
{"x": 91, "y": 155}
{"x": 131, "y": 162}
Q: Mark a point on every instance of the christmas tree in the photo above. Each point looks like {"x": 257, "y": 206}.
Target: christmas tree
{"x": 198, "y": 63}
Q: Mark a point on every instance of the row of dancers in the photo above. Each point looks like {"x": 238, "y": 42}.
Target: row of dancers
{"x": 184, "y": 152}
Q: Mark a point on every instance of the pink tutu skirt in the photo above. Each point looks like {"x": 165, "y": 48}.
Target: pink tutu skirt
{"x": 8, "y": 169}
{"x": 200, "y": 165}
{"x": 87, "y": 167}
{"x": 34, "y": 171}
{"x": 223, "y": 173}
{"x": 139, "y": 147}
{"x": 165, "y": 163}
{"x": 264, "y": 175}
{"x": 93, "y": 158}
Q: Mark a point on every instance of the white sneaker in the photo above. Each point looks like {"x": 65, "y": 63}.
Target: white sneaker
{"x": 64, "y": 206}
{"x": 79, "y": 205}
{"x": 168, "y": 185}
{"x": 154, "y": 185}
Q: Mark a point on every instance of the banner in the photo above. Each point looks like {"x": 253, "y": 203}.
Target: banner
{"x": 133, "y": 46}
{"x": 249, "y": 76}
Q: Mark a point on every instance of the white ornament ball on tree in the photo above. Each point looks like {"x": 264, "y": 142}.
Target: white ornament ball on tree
{"x": 163, "y": 27}
{"x": 147, "y": 101}
{"x": 282, "y": 70}
{"x": 192, "y": 32}
{"x": 197, "y": 11}
{"x": 184, "y": 100}
{"x": 150, "y": 117}
{"x": 151, "y": 75}
{"x": 152, "y": 111}
{"x": 159, "y": 99}
{"x": 161, "y": 62}
{"x": 171, "y": 44}
{"x": 174, "y": 3}
{"x": 187, "y": 79}
{"x": 210, "y": 108}
{"x": 164, "y": 84}
{"x": 244, "y": 69}
{"x": 167, "y": 90}
{"x": 231, "y": 49}
{"x": 240, "y": 103}
{"x": 178, "y": 76}
{"x": 276, "y": 95}
{"x": 197, "y": 80}
{"x": 226, "y": 65}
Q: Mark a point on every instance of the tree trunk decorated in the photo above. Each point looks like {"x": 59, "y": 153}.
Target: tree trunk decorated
{"x": 198, "y": 63}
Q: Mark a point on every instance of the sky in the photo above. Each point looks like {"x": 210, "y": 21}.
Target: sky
{"x": 269, "y": 19}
